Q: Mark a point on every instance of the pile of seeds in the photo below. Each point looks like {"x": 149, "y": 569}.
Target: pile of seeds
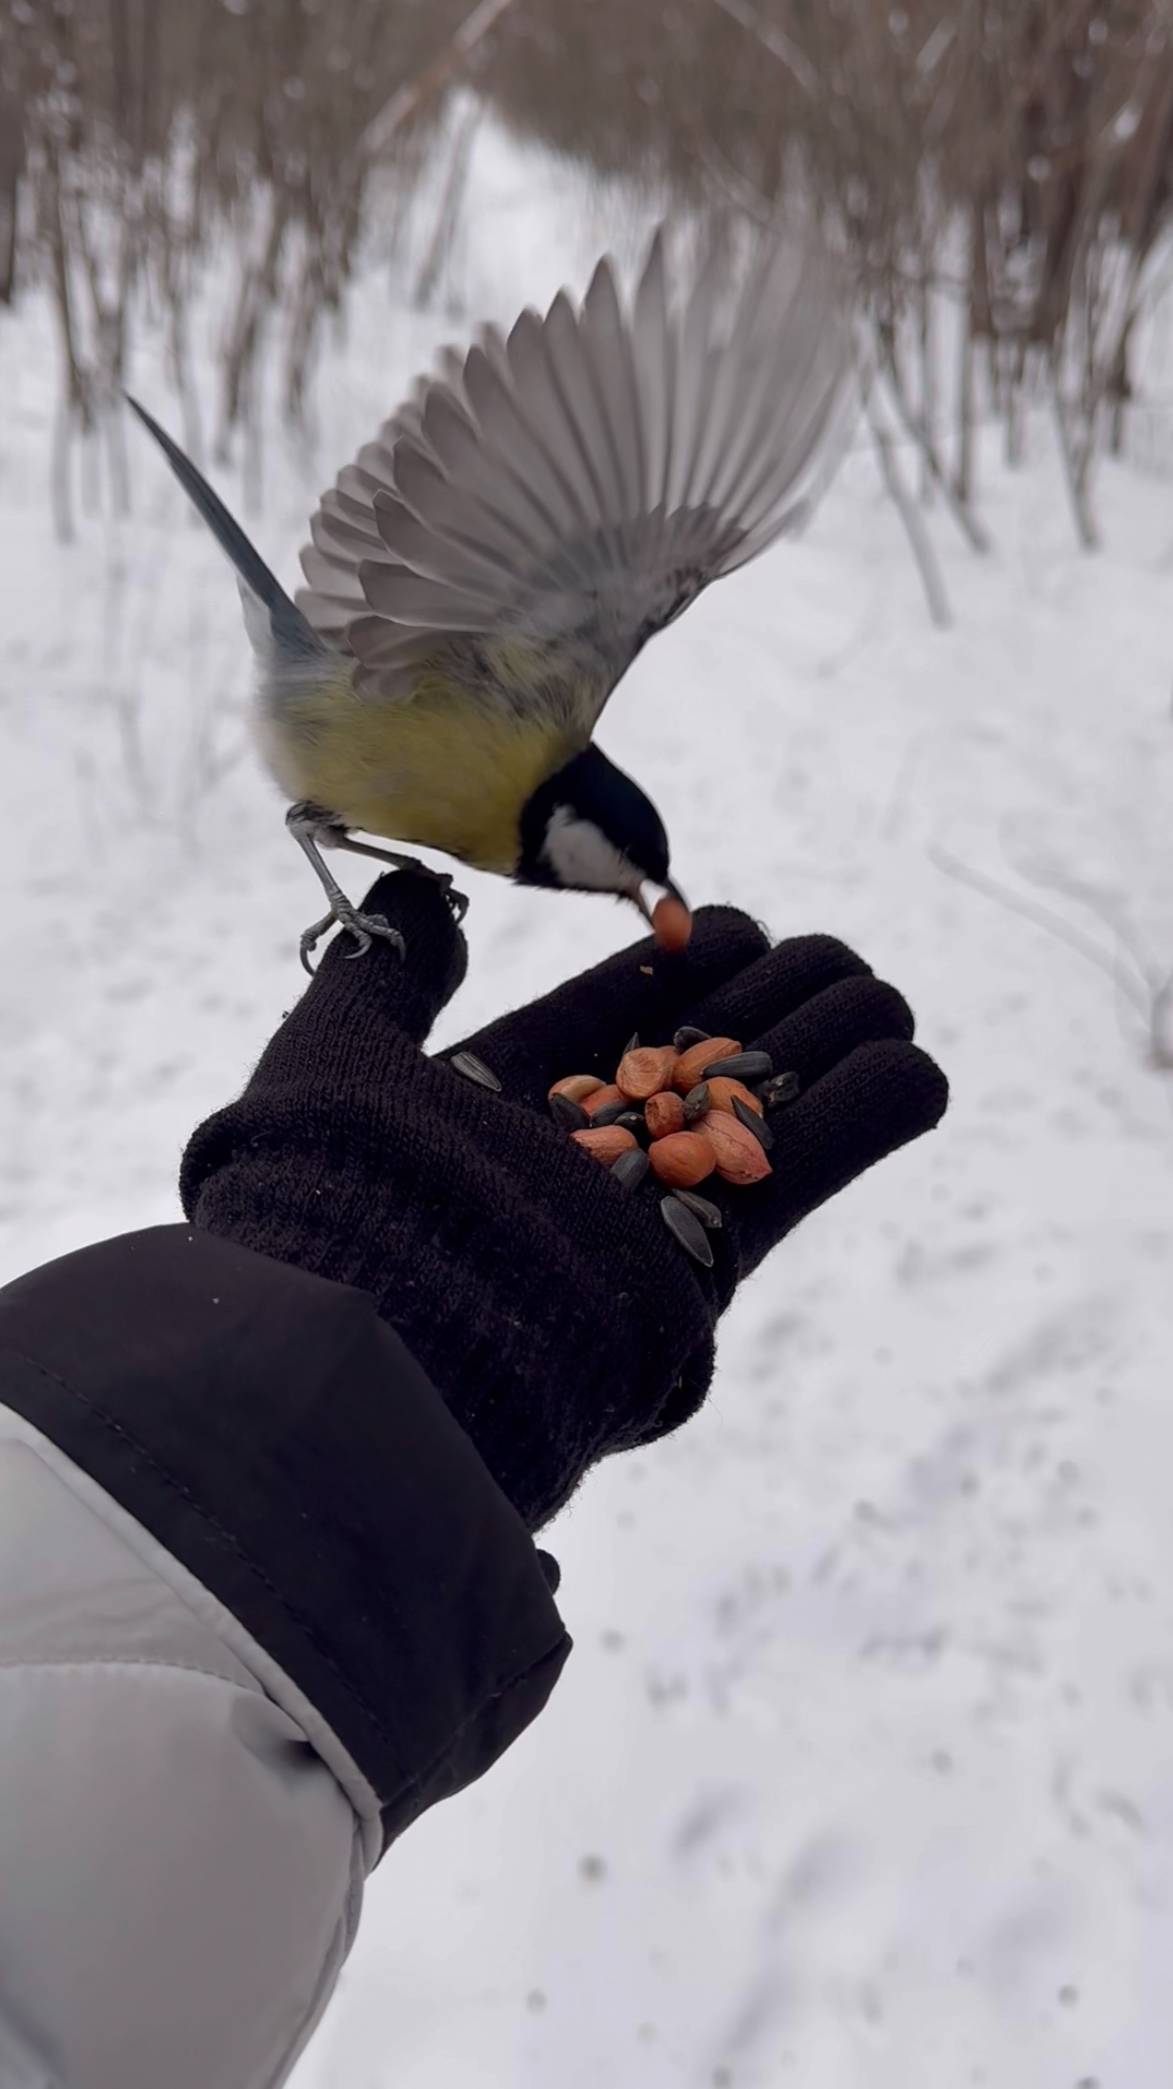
{"x": 683, "y": 1112}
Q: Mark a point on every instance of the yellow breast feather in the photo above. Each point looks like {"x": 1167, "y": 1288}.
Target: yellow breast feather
{"x": 440, "y": 770}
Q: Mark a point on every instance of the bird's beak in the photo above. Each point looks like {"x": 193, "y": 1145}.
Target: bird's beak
{"x": 665, "y": 909}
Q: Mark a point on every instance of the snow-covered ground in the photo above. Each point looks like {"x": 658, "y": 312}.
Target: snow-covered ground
{"x": 861, "y": 1775}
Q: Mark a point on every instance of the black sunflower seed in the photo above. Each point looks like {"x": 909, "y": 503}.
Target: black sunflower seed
{"x": 474, "y": 1069}
{"x": 781, "y": 1089}
{"x": 707, "y": 1213}
{"x": 753, "y": 1123}
{"x": 568, "y": 1114}
{"x": 636, "y": 1123}
{"x": 630, "y": 1168}
{"x": 687, "y": 1228}
{"x": 632, "y": 1044}
{"x": 696, "y": 1102}
{"x": 743, "y": 1066}
{"x": 689, "y": 1035}
{"x": 610, "y": 1113}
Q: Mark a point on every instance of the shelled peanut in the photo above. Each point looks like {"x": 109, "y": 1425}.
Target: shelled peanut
{"x": 683, "y": 1112}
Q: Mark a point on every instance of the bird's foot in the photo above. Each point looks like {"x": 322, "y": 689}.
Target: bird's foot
{"x": 363, "y": 927}
{"x": 457, "y": 901}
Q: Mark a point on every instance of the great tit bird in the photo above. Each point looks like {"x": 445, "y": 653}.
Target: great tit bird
{"x": 483, "y": 574}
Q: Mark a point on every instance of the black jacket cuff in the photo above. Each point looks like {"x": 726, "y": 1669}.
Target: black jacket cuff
{"x": 274, "y": 1433}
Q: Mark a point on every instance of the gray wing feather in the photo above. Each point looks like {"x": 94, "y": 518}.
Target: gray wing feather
{"x": 575, "y": 483}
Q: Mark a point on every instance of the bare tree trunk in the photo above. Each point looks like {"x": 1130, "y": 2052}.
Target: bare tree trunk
{"x": 1015, "y": 387}
{"x": 409, "y": 100}
{"x": 928, "y": 380}
{"x": 9, "y": 221}
{"x": 74, "y": 403}
{"x": 1120, "y": 387}
{"x": 110, "y": 318}
{"x": 76, "y": 376}
{"x": 963, "y": 474}
{"x": 59, "y": 482}
{"x": 914, "y": 526}
{"x": 443, "y": 231}
{"x": 965, "y": 519}
{"x": 257, "y": 291}
{"x": 1077, "y": 453}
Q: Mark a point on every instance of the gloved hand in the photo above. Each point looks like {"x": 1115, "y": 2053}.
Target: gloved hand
{"x": 550, "y": 1306}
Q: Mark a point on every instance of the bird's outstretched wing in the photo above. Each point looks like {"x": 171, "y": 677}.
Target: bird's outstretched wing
{"x": 555, "y": 496}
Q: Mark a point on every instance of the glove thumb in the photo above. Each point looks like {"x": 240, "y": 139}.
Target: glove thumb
{"x": 361, "y": 1000}
{"x": 410, "y": 990}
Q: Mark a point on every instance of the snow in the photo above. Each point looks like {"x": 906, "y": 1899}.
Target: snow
{"x": 861, "y": 1773}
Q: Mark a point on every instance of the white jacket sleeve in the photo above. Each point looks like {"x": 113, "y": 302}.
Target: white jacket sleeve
{"x": 261, "y": 1605}
{"x": 180, "y": 1871}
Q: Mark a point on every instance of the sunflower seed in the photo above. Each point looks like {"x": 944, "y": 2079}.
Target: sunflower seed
{"x": 636, "y": 1123}
{"x": 632, "y": 1044}
{"x": 630, "y": 1168}
{"x": 611, "y": 1113}
{"x": 696, "y": 1102}
{"x": 753, "y": 1123}
{"x": 781, "y": 1089}
{"x": 687, "y": 1228}
{"x": 569, "y": 1115}
{"x": 474, "y": 1069}
{"x": 707, "y": 1213}
{"x": 689, "y": 1035}
{"x": 743, "y": 1066}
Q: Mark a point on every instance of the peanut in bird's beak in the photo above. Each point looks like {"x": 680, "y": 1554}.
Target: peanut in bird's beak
{"x": 667, "y": 915}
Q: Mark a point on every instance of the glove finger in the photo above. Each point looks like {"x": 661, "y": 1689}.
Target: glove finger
{"x": 583, "y": 1025}
{"x": 760, "y": 995}
{"x": 879, "y": 1097}
{"x": 407, "y": 991}
{"x": 823, "y": 1030}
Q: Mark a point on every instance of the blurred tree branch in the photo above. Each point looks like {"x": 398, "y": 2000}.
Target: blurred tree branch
{"x": 1017, "y": 152}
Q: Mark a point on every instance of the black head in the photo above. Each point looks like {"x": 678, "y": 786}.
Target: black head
{"x": 589, "y": 828}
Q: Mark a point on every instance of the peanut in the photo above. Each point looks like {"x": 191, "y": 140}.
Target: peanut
{"x": 722, "y": 1091}
{"x": 682, "y": 1159}
{"x": 738, "y": 1156}
{"x": 577, "y": 1087}
{"x": 606, "y": 1143}
{"x": 691, "y": 1064}
{"x": 645, "y": 1070}
{"x": 599, "y": 1097}
{"x": 664, "y": 1114}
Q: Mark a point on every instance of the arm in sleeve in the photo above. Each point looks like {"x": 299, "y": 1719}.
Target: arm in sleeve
{"x": 260, "y": 1605}
{"x": 180, "y": 1872}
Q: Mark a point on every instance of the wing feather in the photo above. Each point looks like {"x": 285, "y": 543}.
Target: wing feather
{"x": 606, "y": 356}
{"x": 439, "y": 553}
{"x": 531, "y": 381}
{"x": 493, "y": 520}
{"x": 582, "y": 435}
{"x": 574, "y": 483}
{"x": 414, "y": 598}
{"x": 527, "y": 471}
{"x": 337, "y": 538}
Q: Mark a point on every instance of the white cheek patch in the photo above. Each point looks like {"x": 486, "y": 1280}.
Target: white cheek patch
{"x": 580, "y": 855}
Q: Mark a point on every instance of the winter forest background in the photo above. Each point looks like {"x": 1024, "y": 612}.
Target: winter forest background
{"x": 862, "y": 1772}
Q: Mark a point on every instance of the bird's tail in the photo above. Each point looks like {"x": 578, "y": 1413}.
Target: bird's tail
{"x": 261, "y": 590}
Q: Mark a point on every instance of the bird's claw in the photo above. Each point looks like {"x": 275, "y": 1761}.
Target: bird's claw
{"x": 363, "y": 927}
{"x": 458, "y": 901}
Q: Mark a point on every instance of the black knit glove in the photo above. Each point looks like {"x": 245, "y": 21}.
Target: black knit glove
{"x": 550, "y": 1306}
